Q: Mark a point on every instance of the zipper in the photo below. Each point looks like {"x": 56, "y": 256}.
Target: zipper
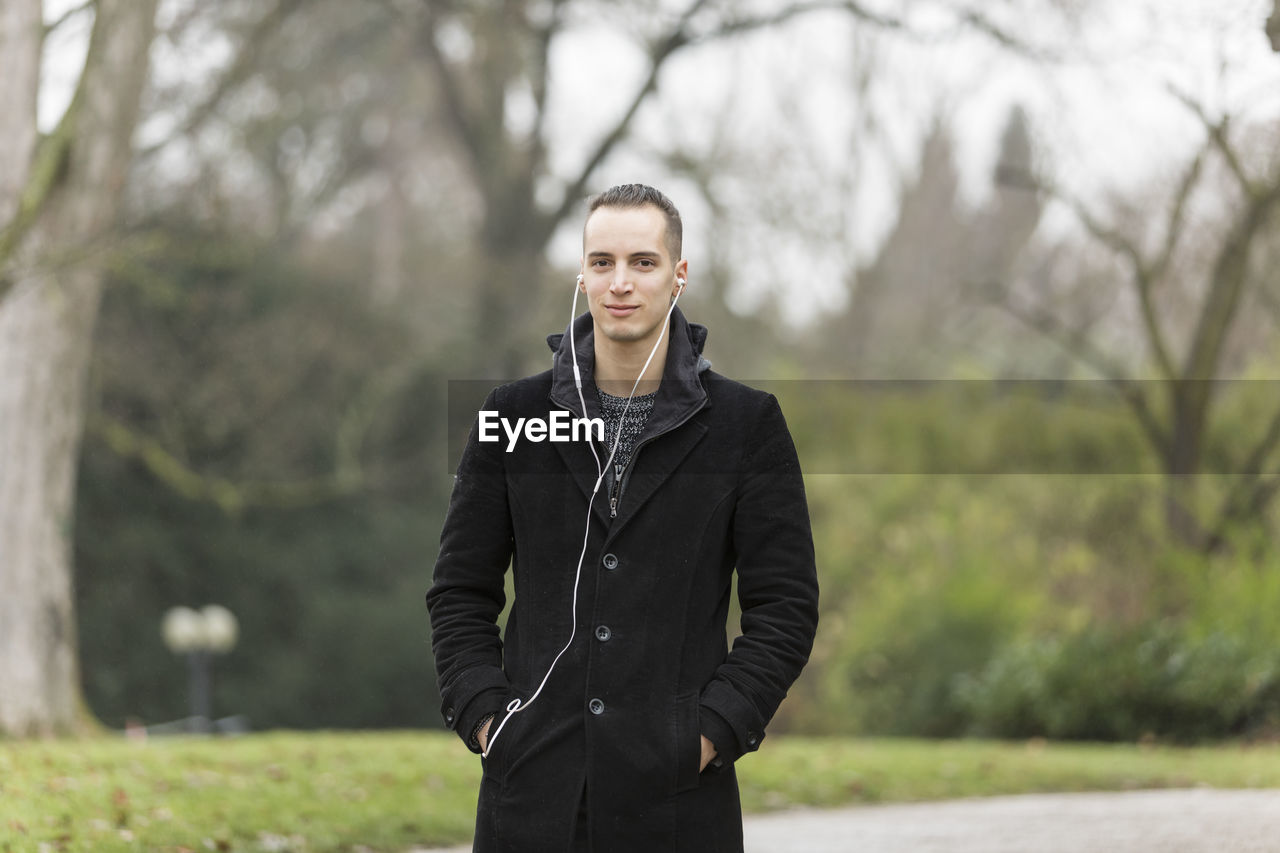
{"x": 616, "y": 491}
{"x": 621, "y": 476}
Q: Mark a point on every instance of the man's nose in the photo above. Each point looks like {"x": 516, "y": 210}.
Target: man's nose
{"x": 621, "y": 281}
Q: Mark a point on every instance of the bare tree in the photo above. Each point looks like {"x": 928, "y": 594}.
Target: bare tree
{"x": 1175, "y": 412}
{"x": 59, "y": 198}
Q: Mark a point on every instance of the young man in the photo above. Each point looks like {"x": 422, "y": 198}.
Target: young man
{"x": 611, "y": 712}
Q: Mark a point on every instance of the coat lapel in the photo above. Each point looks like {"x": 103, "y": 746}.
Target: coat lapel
{"x": 577, "y": 458}
{"x": 654, "y": 465}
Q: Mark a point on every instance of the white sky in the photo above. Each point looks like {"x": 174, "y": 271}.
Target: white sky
{"x": 782, "y": 101}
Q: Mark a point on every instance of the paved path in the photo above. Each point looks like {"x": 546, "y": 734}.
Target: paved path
{"x": 1190, "y": 821}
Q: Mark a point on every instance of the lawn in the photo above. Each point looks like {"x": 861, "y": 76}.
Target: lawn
{"x": 322, "y": 792}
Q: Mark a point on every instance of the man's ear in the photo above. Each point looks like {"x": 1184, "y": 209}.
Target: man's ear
{"x": 682, "y": 276}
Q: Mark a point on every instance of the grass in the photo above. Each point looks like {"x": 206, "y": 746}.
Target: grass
{"x": 356, "y": 792}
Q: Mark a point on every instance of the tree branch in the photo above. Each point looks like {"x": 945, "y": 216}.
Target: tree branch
{"x": 1218, "y": 133}
{"x": 662, "y": 49}
{"x": 1177, "y": 214}
{"x": 1078, "y": 346}
{"x": 545, "y": 36}
{"x": 737, "y": 26}
{"x": 452, "y": 92}
{"x": 48, "y": 170}
{"x": 240, "y": 70}
{"x": 66, "y": 16}
{"x": 1251, "y": 495}
{"x": 1144, "y": 275}
{"x": 967, "y": 17}
{"x": 348, "y": 475}
{"x": 1229, "y": 274}
{"x": 231, "y": 497}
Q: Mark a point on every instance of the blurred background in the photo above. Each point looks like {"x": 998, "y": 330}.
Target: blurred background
{"x": 1010, "y": 266}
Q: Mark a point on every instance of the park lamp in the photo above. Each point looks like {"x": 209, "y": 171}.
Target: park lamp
{"x": 200, "y": 634}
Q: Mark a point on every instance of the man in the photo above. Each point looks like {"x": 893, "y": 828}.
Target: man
{"x": 615, "y": 709}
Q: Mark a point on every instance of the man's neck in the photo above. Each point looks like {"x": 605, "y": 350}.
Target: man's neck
{"x": 618, "y": 363}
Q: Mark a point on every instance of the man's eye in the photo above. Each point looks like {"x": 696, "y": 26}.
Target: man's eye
{"x": 645, "y": 262}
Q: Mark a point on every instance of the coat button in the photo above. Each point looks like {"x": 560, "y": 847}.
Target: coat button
{"x": 449, "y": 716}
{"x": 603, "y": 633}
{"x": 596, "y": 706}
{"x": 610, "y": 562}
{"x": 753, "y": 740}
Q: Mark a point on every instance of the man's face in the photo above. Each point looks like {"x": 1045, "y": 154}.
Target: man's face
{"x": 627, "y": 273}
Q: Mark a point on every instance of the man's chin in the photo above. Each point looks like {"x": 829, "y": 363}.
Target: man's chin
{"x": 624, "y": 333}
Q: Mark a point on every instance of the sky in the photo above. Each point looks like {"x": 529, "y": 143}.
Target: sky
{"x": 781, "y": 107}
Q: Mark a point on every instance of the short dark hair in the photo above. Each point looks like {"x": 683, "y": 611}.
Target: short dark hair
{"x": 639, "y": 195}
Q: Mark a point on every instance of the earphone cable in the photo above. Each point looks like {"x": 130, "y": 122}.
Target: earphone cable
{"x": 517, "y": 705}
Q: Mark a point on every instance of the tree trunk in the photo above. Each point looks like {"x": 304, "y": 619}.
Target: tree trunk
{"x": 1188, "y": 406}
{"x": 46, "y": 328}
{"x": 509, "y": 286}
{"x": 20, "y": 38}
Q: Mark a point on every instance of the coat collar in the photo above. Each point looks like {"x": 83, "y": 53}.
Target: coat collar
{"x": 679, "y": 393}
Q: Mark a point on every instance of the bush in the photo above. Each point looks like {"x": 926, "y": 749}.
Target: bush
{"x": 1104, "y": 684}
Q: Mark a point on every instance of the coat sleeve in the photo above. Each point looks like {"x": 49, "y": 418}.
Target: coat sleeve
{"x": 467, "y": 592}
{"x": 777, "y": 590}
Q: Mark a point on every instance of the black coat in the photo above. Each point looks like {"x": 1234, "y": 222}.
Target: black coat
{"x": 714, "y": 486}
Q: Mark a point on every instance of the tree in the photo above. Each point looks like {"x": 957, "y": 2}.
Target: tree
{"x": 1187, "y": 358}
{"x": 58, "y": 197}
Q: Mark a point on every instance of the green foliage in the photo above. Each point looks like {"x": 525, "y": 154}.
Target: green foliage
{"x": 1124, "y": 685}
{"x": 1021, "y": 600}
{"x": 902, "y": 683}
{"x": 246, "y": 368}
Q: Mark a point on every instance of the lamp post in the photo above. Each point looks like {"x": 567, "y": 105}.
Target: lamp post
{"x": 200, "y": 634}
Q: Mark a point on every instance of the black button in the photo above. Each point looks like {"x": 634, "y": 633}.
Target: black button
{"x": 603, "y": 633}
{"x": 610, "y": 562}
{"x": 449, "y": 715}
{"x": 752, "y": 739}
{"x": 596, "y": 706}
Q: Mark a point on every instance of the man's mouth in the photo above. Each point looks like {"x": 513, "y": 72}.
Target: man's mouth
{"x": 621, "y": 310}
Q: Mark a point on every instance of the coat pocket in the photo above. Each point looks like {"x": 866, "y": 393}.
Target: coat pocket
{"x": 688, "y": 742}
{"x": 495, "y": 765}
